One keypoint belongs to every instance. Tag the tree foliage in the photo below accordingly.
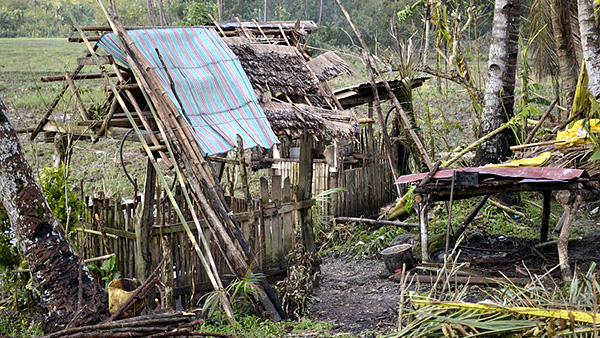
(376, 18)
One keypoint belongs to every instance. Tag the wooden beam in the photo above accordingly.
(305, 174)
(80, 39)
(76, 76)
(143, 228)
(111, 111)
(78, 101)
(90, 61)
(545, 216)
(376, 222)
(470, 217)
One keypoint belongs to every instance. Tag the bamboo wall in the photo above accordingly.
(368, 187)
(275, 216)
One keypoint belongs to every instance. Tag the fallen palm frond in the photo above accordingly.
(539, 309)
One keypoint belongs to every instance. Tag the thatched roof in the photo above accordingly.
(329, 65)
(279, 68)
(362, 93)
(297, 119)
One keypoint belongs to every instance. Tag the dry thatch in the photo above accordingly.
(277, 68)
(297, 119)
(329, 65)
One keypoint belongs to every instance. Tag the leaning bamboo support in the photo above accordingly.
(542, 119)
(210, 271)
(52, 106)
(78, 101)
(477, 143)
(199, 176)
(209, 268)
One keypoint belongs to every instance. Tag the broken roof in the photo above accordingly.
(205, 81)
(277, 69)
(362, 93)
(295, 119)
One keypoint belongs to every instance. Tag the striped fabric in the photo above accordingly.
(217, 97)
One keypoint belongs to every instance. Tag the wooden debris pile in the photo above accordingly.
(564, 157)
(170, 324)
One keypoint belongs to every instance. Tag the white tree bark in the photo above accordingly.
(499, 90)
(54, 264)
(590, 44)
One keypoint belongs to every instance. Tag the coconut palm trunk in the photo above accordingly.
(54, 265)
(499, 90)
(590, 44)
(560, 13)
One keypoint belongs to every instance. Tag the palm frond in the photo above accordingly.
(543, 49)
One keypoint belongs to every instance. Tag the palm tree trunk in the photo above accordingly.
(53, 263)
(565, 47)
(590, 45)
(500, 86)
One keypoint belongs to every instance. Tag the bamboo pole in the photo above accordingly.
(477, 143)
(542, 119)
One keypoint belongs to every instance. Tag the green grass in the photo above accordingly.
(250, 326)
(23, 62)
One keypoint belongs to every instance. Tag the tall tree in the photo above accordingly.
(500, 86)
(54, 265)
(565, 46)
(590, 44)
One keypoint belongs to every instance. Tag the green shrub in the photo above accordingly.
(62, 199)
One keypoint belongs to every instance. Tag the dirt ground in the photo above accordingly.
(353, 297)
(357, 301)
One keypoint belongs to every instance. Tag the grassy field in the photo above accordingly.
(22, 63)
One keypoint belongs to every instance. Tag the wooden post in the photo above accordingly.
(570, 202)
(470, 218)
(371, 135)
(423, 211)
(304, 191)
(78, 100)
(143, 228)
(247, 195)
(545, 216)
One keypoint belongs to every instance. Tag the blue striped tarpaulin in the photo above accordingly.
(217, 97)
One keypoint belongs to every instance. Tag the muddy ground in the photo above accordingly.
(353, 297)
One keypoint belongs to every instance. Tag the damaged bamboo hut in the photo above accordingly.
(206, 233)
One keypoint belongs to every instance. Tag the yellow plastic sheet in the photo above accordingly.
(577, 134)
(537, 161)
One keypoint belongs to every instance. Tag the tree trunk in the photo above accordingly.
(161, 13)
(499, 90)
(565, 47)
(590, 45)
(150, 12)
(54, 264)
(265, 12)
